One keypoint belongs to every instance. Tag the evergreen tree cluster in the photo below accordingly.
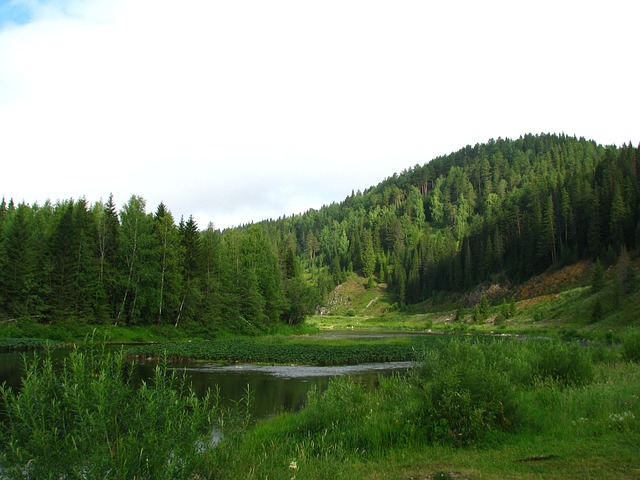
(504, 209)
(90, 263)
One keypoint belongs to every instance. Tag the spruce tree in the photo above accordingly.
(597, 276)
(168, 260)
(17, 269)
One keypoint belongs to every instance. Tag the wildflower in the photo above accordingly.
(293, 465)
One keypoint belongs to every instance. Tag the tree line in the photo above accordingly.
(91, 263)
(500, 211)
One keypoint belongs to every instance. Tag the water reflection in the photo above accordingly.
(273, 388)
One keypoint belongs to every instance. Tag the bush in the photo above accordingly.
(597, 311)
(566, 364)
(470, 386)
(465, 393)
(87, 420)
(631, 346)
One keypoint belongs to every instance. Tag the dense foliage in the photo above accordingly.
(503, 397)
(504, 210)
(88, 420)
(89, 263)
(507, 209)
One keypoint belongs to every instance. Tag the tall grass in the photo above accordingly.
(631, 345)
(87, 420)
(467, 392)
(502, 398)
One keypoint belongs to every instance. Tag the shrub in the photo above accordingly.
(470, 386)
(631, 346)
(565, 363)
(87, 420)
(597, 311)
(597, 276)
(465, 393)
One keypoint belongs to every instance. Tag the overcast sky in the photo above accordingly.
(236, 111)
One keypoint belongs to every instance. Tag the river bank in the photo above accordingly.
(473, 408)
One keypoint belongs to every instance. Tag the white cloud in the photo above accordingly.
(237, 111)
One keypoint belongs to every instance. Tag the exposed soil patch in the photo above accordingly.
(438, 476)
(543, 458)
(543, 286)
(529, 302)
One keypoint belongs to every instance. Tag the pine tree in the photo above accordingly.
(191, 261)
(467, 267)
(597, 277)
(618, 218)
(63, 246)
(368, 256)
(17, 269)
(594, 233)
(86, 274)
(169, 278)
(547, 239)
(567, 217)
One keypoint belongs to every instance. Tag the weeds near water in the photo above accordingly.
(87, 420)
(484, 393)
(465, 393)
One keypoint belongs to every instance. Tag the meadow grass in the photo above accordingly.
(473, 410)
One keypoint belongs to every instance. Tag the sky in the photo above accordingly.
(244, 110)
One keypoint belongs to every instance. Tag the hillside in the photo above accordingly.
(560, 300)
(498, 213)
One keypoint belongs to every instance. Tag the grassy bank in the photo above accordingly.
(474, 408)
(511, 410)
(75, 332)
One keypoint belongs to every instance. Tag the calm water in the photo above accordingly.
(273, 388)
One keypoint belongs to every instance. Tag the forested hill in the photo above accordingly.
(507, 208)
(504, 210)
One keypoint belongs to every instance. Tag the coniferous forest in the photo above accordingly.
(501, 211)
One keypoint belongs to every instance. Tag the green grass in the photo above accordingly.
(568, 313)
(524, 417)
(477, 407)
